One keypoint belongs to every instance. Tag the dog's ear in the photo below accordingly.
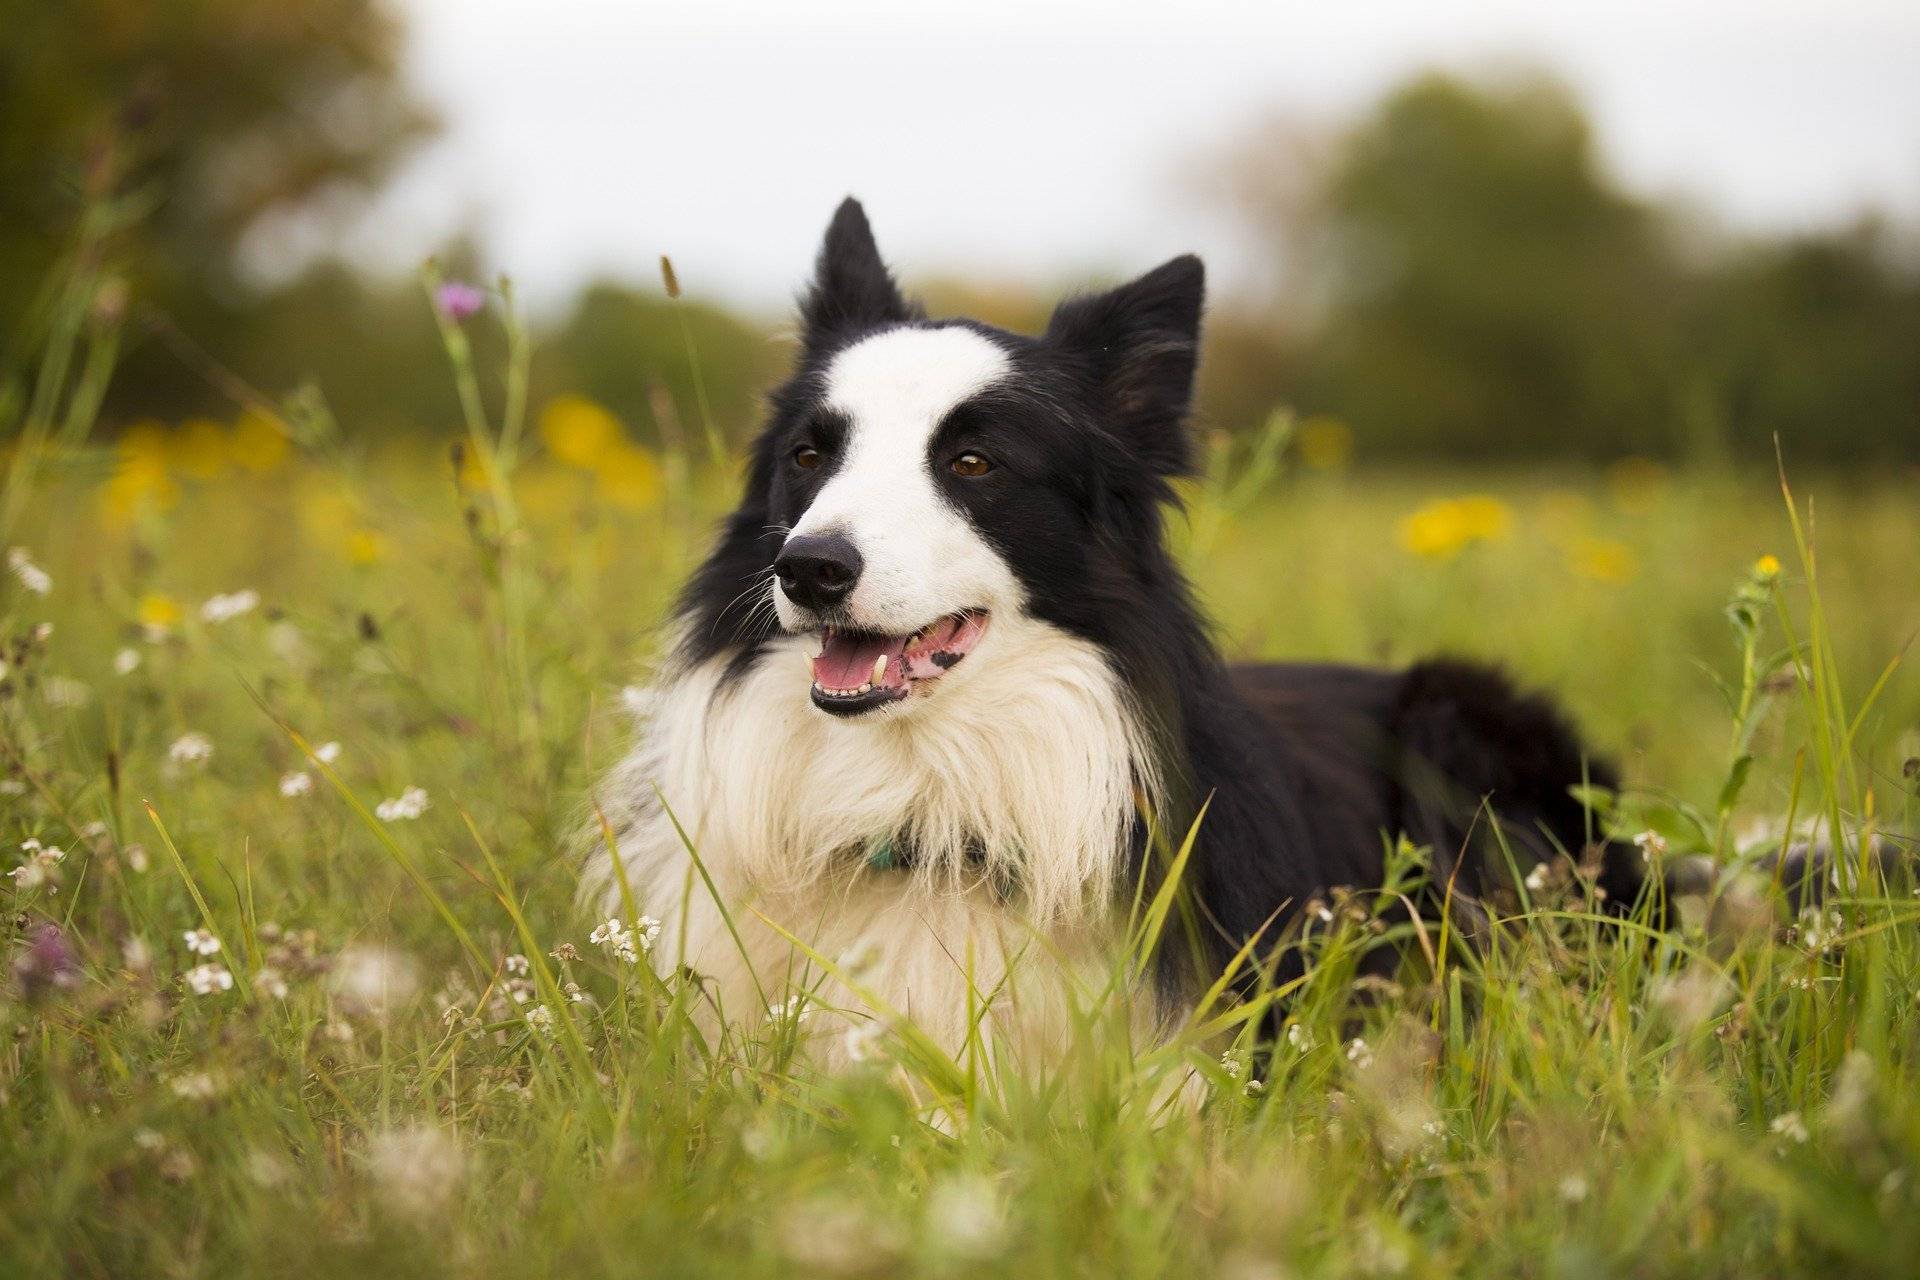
(852, 288)
(1139, 344)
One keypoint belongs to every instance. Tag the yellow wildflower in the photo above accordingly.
(364, 546)
(158, 612)
(327, 512)
(1766, 568)
(198, 450)
(629, 477)
(1442, 529)
(141, 483)
(1602, 559)
(579, 432)
(258, 442)
(476, 472)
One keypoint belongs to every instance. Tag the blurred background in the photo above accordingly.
(1582, 232)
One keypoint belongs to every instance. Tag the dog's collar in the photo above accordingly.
(887, 853)
(897, 853)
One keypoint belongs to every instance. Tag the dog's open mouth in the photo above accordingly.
(857, 671)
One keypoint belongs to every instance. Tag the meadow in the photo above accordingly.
(300, 734)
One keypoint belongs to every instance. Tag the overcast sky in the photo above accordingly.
(1049, 140)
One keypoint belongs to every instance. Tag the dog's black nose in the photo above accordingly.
(817, 570)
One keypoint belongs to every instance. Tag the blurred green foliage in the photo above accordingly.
(1466, 279)
(1460, 275)
(220, 118)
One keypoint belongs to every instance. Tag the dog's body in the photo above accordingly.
(958, 532)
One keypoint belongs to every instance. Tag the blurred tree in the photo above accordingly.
(1816, 341)
(1456, 274)
(227, 116)
(1487, 289)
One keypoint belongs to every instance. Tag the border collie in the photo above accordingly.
(940, 680)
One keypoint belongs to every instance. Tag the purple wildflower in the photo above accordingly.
(457, 300)
(46, 962)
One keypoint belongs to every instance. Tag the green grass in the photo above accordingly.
(1586, 1097)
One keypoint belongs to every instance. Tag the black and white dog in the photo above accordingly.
(957, 533)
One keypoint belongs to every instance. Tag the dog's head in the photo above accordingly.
(922, 482)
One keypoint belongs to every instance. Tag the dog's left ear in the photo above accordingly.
(852, 288)
(1139, 344)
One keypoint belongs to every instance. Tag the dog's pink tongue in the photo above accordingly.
(847, 660)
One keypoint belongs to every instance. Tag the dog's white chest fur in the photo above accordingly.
(1011, 796)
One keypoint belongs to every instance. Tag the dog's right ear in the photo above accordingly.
(852, 288)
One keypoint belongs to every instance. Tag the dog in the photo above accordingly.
(940, 691)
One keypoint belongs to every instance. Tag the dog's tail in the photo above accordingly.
(1488, 773)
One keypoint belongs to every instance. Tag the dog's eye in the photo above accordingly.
(970, 465)
(806, 457)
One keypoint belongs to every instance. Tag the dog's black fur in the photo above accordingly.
(1307, 771)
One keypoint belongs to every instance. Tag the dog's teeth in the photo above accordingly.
(879, 669)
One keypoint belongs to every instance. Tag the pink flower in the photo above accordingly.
(47, 961)
(457, 300)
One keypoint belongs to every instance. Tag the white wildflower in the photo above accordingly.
(1821, 930)
(126, 662)
(137, 857)
(1653, 846)
(287, 644)
(617, 939)
(327, 752)
(1690, 998)
(862, 1040)
(297, 783)
(40, 866)
(540, 1018)
(65, 692)
(1537, 878)
(31, 575)
(1790, 1126)
(409, 804)
(1359, 1054)
(136, 954)
(269, 982)
(374, 980)
(1573, 1188)
(268, 1171)
(198, 1086)
(417, 1169)
(191, 748)
(518, 965)
(793, 1008)
(1299, 1038)
(225, 608)
(206, 979)
(828, 1234)
(201, 942)
(965, 1216)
